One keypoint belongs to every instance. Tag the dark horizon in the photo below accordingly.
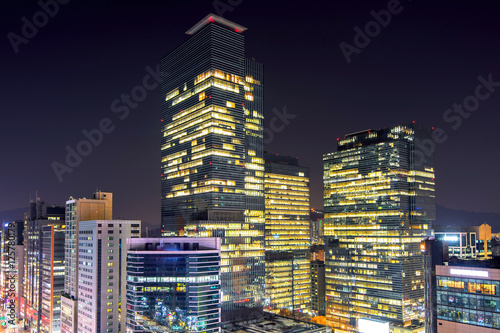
(74, 73)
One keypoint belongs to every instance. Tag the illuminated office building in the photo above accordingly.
(287, 236)
(379, 204)
(471, 242)
(52, 277)
(173, 285)
(99, 207)
(102, 273)
(212, 155)
(39, 216)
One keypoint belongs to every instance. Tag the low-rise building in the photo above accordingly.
(471, 242)
(173, 285)
(468, 297)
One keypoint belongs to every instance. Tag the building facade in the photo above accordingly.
(287, 236)
(52, 277)
(99, 207)
(468, 299)
(39, 216)
(435, 253)
(318, 287)
(317, 226)
(173, 284)
(318, 252)
(212, 155)
(102, 273)
(379, 204)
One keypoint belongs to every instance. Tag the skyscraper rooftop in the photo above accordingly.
(212, 18)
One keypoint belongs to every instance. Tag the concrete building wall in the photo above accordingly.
(102, 274)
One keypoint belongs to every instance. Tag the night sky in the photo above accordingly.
(64, 78)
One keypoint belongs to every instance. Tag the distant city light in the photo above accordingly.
(451, 238)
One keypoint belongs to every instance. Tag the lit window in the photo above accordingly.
(172, 94)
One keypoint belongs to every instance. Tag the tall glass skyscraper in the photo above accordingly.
(212, 155)
(379, 204)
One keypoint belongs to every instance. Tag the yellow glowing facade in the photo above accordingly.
(287, 236)
(379, 204)
(212, 165)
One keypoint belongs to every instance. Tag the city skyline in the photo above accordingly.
(82, 69)
(238, 245)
